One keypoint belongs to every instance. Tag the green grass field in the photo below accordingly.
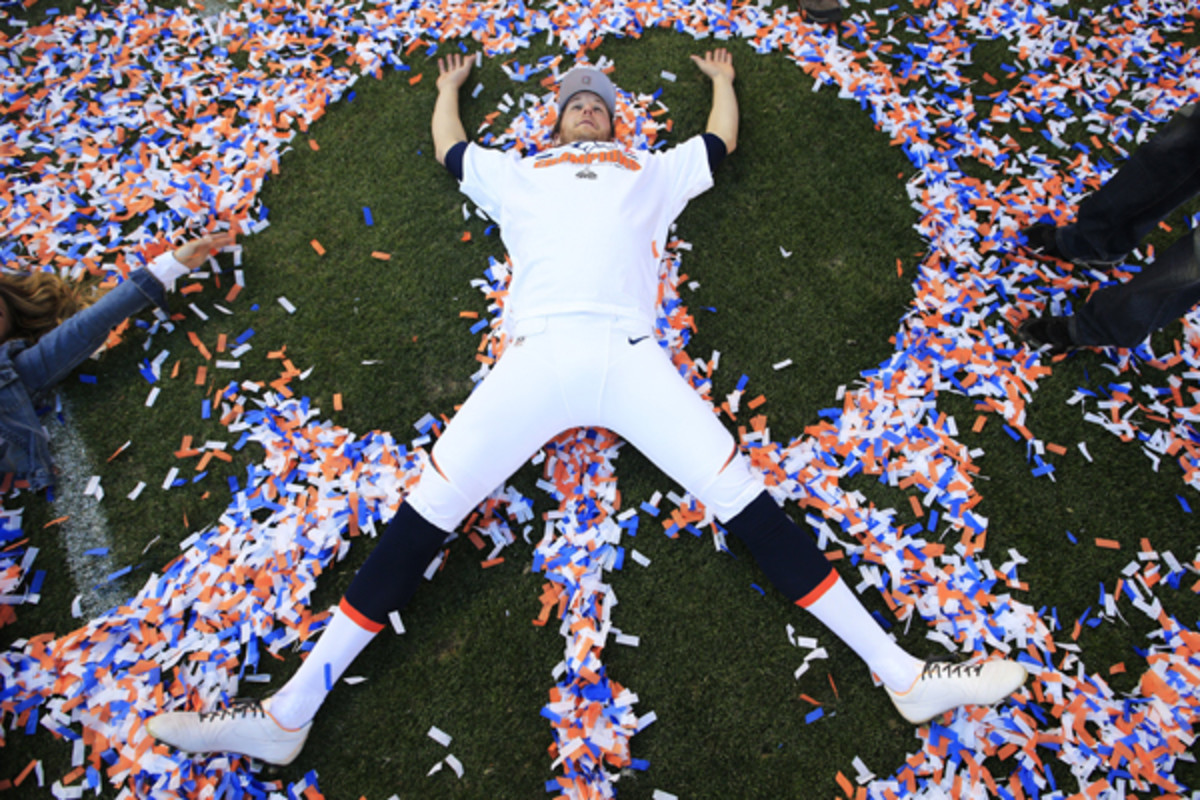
(812, 175)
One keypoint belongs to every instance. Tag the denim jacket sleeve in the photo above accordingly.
(29, 370)
(45, 363)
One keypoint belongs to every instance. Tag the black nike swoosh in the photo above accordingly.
(638, 339)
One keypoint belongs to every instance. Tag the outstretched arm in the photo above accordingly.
(54, 355)
(447, 126)
(723, 118)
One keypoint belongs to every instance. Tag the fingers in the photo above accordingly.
(719, 56)
(715, 62)
(453, 63)
(192, 253)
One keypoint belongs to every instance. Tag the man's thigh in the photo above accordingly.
(655, 409)
(511, 414)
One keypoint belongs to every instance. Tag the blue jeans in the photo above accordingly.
(1159, 176)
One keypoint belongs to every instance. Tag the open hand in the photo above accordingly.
(453, 70)
(193, 253)
(716, 64)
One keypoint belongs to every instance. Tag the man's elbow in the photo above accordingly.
(728, 138)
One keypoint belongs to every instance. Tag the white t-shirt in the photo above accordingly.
(586, 223)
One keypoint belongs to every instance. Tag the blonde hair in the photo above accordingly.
(39, 301)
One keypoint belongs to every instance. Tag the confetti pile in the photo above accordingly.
(126, 126)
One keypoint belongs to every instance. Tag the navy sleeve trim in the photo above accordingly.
(454, 160)
(715, 146)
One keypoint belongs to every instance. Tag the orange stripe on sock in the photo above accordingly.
(358, 618)
(821, 588)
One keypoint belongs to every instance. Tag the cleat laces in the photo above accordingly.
(238, 708)
(935, 669)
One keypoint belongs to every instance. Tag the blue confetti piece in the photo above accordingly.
(123, 571)
(813, 716)
(96, 551)
(91, 379)
(367, 216)
(1183, 503)
(758, 589)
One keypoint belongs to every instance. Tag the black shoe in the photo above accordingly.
(1041, 240)
(1049, 332)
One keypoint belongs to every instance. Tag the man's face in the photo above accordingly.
(585, 119)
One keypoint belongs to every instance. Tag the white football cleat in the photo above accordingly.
(244, 727)
(941, 687)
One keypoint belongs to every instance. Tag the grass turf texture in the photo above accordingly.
(811, 175)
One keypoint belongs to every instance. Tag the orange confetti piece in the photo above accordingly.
(57, 521)
(317, 246)
(313, 144)
(415, 79)
(337, 402)
(25, 772)
(1108, 544)
(381, 256)
(915, 502)
(491, 562)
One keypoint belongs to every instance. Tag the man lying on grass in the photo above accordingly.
(582, 222)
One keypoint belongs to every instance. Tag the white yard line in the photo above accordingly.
(86, 527)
